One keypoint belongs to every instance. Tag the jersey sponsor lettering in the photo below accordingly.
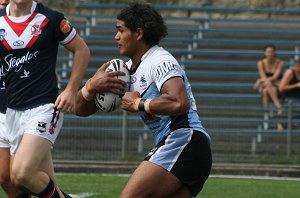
(1, 74)
(13, 62)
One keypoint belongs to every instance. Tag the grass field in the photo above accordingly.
(100, 186)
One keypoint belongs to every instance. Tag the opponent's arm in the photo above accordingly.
(65, 101)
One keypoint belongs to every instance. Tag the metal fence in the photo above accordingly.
(121, 136)
(219, 59)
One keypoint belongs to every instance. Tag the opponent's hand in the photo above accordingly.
(65, 102)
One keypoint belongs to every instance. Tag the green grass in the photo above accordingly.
(99, 186)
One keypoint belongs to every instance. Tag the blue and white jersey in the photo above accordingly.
(28, 49)
(156, 67)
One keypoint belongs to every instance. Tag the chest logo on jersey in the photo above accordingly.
(143, 82)
(18, 43)
(133, 79)
(36, 30)
(2, 34)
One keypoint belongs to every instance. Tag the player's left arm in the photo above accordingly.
(66, 100)
(172, 101)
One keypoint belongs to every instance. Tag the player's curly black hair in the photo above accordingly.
(143, 15)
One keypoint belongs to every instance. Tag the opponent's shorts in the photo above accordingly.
(44, 121)
(185, 153)
(4, 143)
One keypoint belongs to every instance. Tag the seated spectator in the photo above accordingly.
(270, 70)
(290, 87)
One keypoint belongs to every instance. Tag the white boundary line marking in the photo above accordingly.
(255, 177)
(90, 194)
(211, 176)
(85, 194)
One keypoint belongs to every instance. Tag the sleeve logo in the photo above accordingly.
(65, 26)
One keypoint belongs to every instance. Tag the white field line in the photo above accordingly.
(255, 177)
(85, 195)
(212, 176)
(90, 194)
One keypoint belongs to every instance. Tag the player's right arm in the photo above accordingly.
(84, 107)
(101, 82)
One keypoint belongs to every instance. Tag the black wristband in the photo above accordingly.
(142, 105)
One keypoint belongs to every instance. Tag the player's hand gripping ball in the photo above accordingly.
(107, 101)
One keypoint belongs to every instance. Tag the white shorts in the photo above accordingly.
(44, 121)
(4, 143)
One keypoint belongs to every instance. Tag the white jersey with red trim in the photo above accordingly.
(28, 48)
(156, 67)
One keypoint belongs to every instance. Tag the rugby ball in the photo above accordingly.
(107, 101)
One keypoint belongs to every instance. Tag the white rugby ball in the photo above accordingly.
(107, 101)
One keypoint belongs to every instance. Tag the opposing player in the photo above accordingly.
(30, 35)
(5, 182)
(180, 163)
(4, 143)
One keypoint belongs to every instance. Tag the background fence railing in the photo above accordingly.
(219, 55)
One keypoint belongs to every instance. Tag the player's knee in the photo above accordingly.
(19, 180)
(20, 177)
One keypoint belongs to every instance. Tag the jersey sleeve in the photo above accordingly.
(64, 31)
(166, 70)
